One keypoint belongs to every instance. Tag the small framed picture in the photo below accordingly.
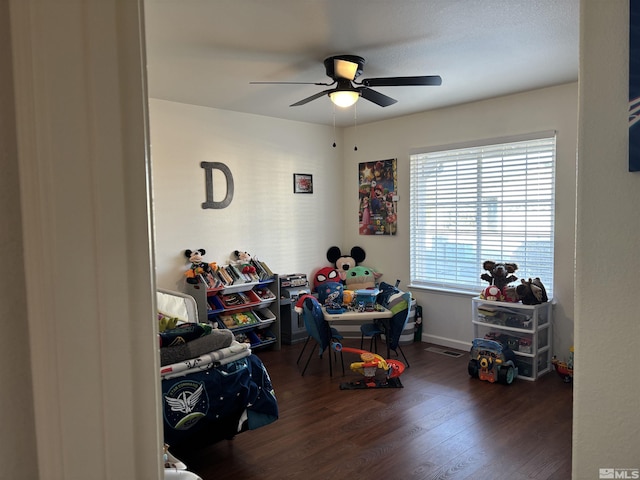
(302, 183)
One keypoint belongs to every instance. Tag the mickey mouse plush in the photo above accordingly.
(344, 262)
(198, 265)
(244, 261)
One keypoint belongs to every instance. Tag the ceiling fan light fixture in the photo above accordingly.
(344, 98)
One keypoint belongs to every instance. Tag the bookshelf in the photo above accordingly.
(242, 298)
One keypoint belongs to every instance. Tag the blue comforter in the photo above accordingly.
(207, 406)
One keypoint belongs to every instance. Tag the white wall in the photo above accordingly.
(447, 316)
(290, 232)
(606, 422)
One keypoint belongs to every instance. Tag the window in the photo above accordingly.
(471, 203)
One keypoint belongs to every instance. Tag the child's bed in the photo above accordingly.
(212, 386)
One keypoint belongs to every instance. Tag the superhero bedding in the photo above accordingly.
(213, 387)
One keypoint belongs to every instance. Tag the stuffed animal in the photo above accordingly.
(532, 292)
(499, 273)
(198, 265)
(324, 275)
(492, 293)
(360, 277)
(510, 294)
(243, 260)
(344, 262)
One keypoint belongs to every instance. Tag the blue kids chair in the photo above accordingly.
(320, 330)
(392, 328)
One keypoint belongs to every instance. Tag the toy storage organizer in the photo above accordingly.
(526, 329)
(249, 310)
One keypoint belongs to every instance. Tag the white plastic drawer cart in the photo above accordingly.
(526, 329)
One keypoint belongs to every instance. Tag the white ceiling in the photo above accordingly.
(205, 52)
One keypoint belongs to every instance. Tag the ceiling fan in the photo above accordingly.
(343, 70)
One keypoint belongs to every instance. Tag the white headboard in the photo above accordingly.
(177, 304)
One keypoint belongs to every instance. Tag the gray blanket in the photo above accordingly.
(217, 339)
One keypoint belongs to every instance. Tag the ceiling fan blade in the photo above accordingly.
(376, 97)
(291, 83)
(312, 97)
(402, 81)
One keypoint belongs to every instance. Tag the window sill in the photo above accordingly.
(444, 290)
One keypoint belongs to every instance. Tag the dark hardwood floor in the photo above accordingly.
(441, 425)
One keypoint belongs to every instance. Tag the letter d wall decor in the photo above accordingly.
(209, 167)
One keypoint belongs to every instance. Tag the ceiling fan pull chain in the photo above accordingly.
(355, 126)
(334, 126)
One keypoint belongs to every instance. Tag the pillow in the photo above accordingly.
(172, 306)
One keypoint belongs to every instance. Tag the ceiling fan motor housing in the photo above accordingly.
(331, 62)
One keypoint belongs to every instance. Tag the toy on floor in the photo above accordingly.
(564, 369)
(369, 366)
(491, 361)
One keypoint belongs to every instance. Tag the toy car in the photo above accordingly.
(492, 361)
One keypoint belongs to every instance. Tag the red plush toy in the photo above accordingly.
(324, 275)
(492, 293)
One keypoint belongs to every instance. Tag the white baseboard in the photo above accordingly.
(446, 342)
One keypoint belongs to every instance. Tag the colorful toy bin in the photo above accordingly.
(366, 298)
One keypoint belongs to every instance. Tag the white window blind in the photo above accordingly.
(487, 202)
